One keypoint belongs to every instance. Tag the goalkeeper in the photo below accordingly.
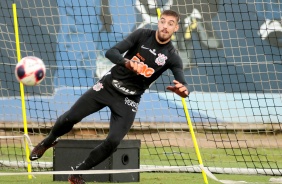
(148, 53)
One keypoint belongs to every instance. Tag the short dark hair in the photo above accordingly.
(171, 13)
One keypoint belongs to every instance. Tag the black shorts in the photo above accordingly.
(123, 107)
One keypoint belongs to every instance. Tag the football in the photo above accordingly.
(30, 70)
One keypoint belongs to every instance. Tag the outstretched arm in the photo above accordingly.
(179, 89)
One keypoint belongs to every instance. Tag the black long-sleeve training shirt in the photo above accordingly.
(141, 45)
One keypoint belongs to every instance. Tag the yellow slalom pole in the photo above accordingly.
(21, 89)
(194, 139)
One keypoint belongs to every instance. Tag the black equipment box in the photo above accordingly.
(69, 152)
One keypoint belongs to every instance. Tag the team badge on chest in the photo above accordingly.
(160, 60)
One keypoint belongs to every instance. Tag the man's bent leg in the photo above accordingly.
(122, 117)
(83, 107)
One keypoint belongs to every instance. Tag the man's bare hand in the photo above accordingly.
(179, 89)
(134, 66)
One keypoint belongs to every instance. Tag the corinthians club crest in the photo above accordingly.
(160, 60)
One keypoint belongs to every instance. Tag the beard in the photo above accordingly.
(163, 37)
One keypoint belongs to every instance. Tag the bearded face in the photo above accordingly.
(167, 25)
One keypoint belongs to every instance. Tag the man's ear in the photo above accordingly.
(176, 28)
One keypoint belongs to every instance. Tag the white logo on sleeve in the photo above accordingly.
(98, 86)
